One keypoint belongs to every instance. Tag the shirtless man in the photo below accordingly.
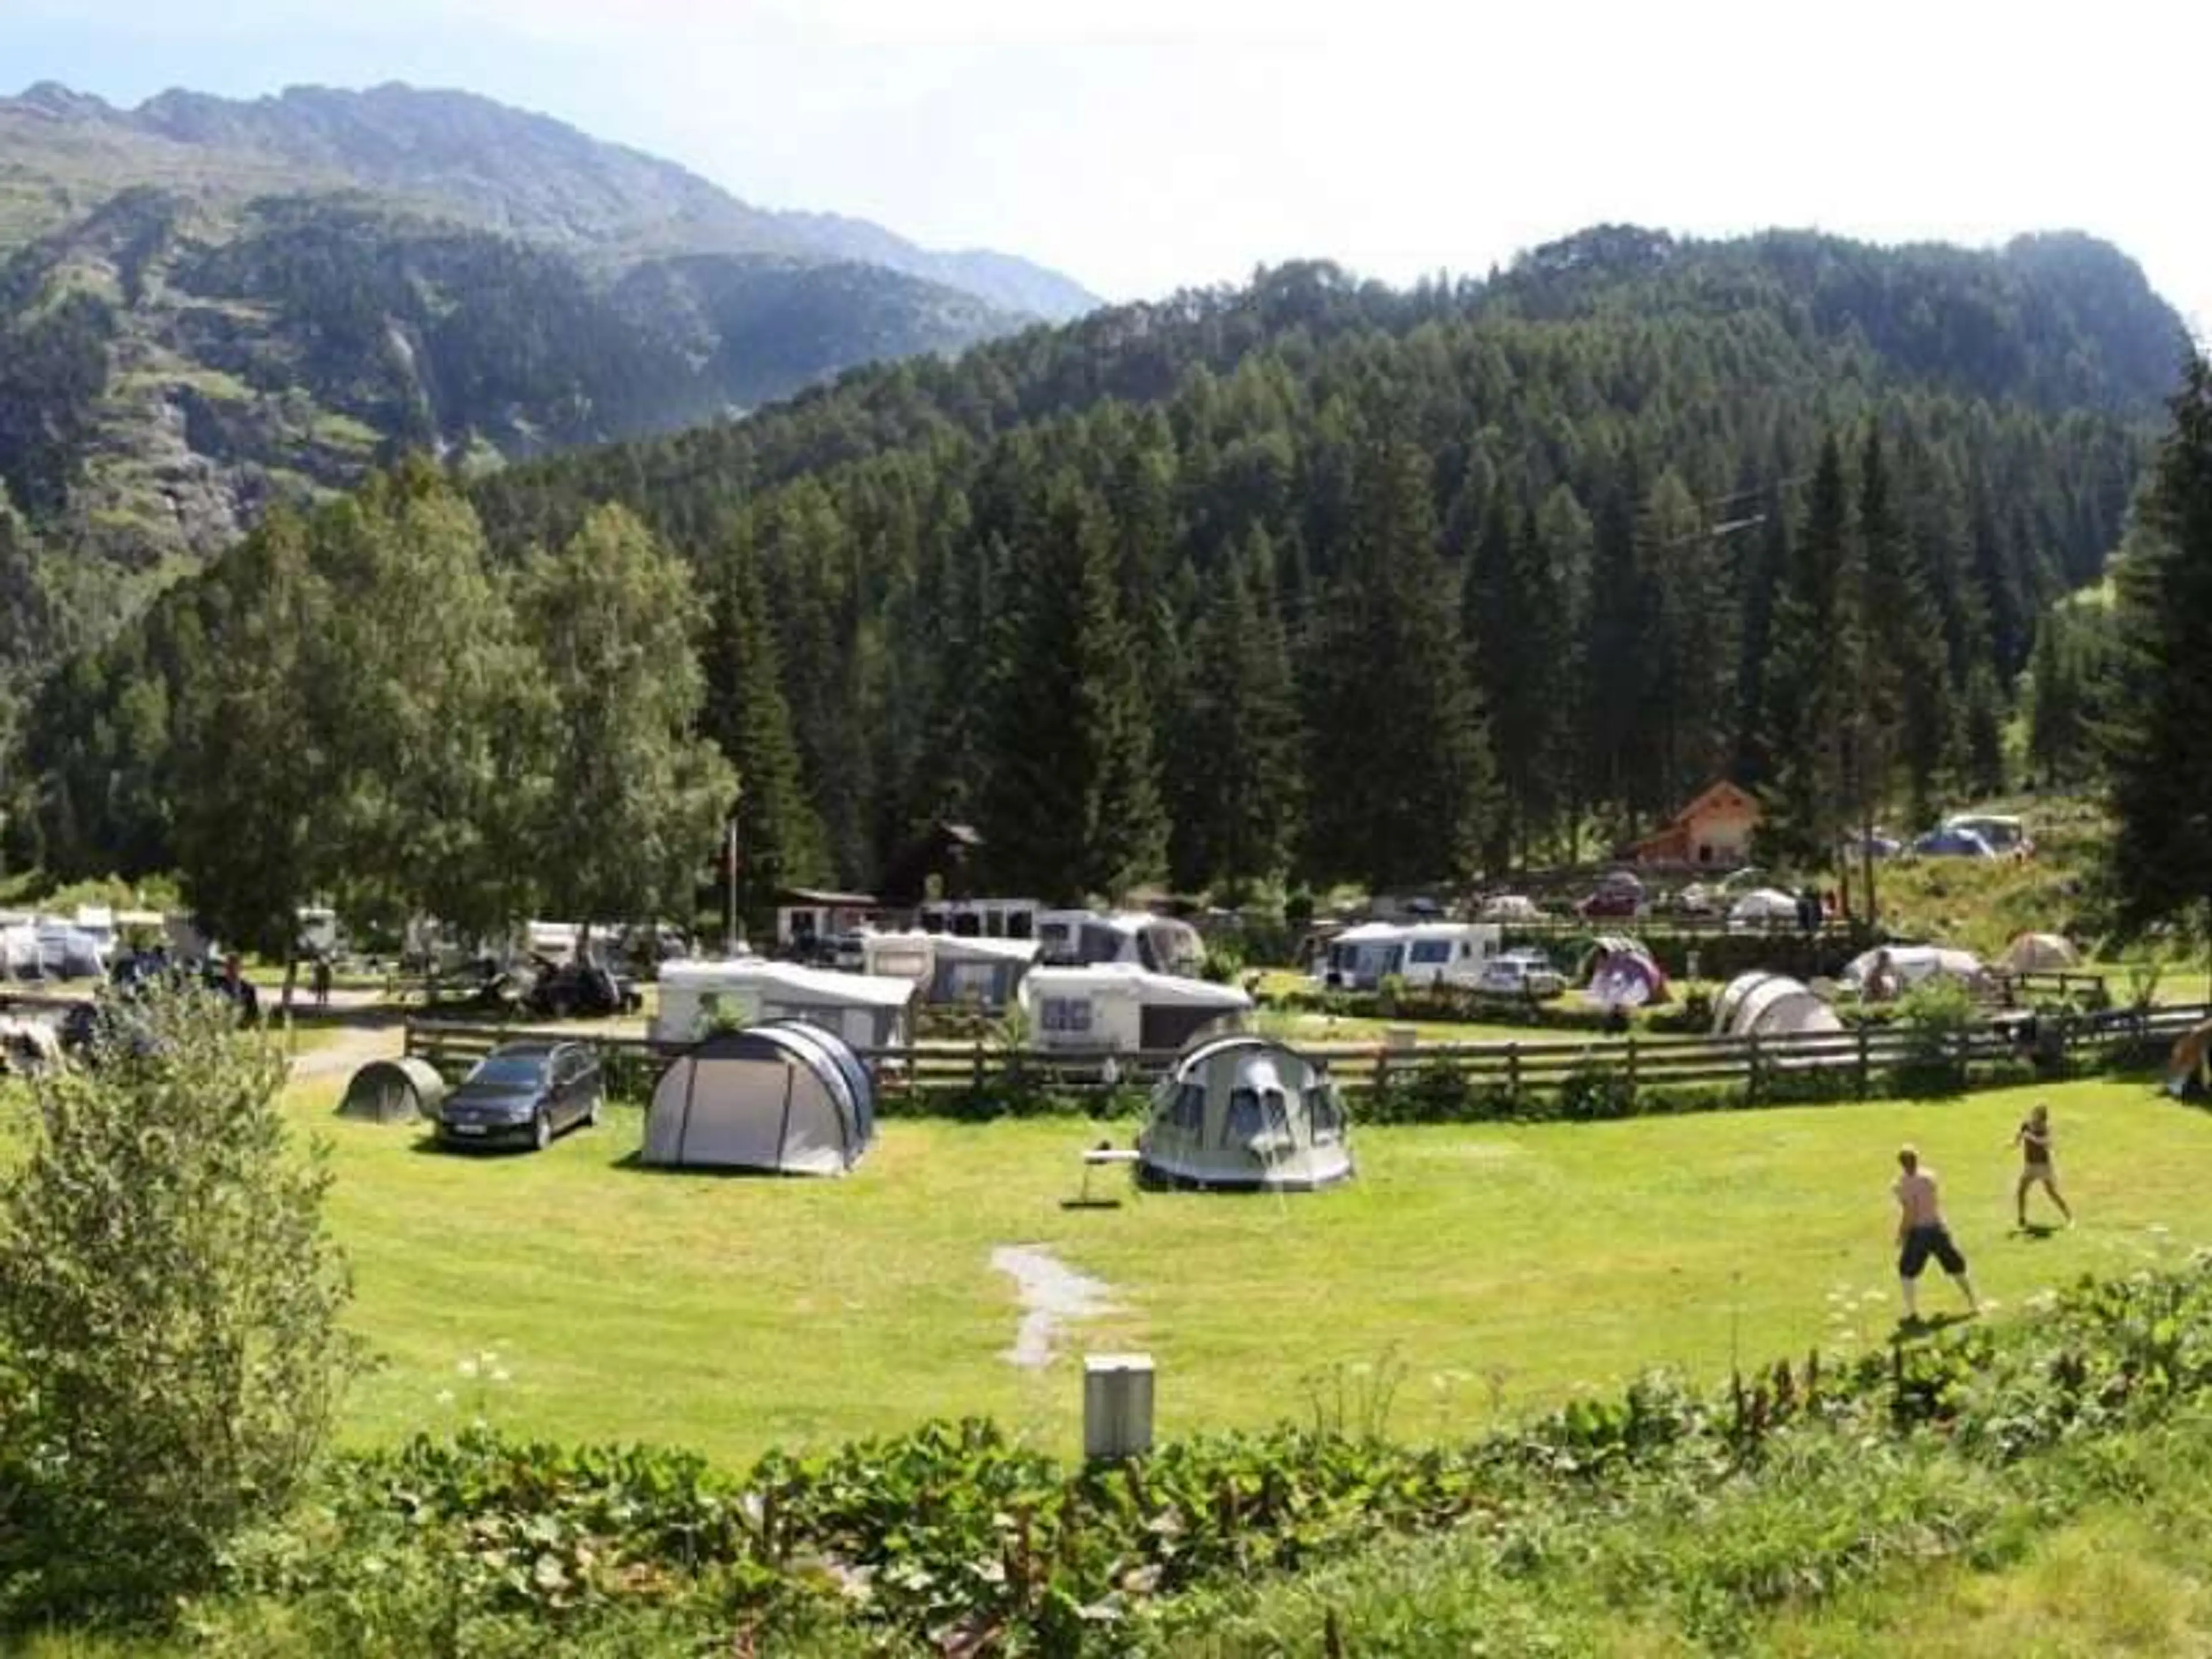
(1921, 1233)
(2034, 1139)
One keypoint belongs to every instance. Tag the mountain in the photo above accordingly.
(206, 305)
(1317, 581)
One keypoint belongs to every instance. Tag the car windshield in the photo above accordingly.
(511, 1071)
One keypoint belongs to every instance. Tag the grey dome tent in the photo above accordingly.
(394, 1091)
(783, 1098)
(1242, 1113)
(1771, 1005)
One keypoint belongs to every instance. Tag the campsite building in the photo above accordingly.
(1122, 1008)
(1244, 1113)
(784, 1099)
(696, 997)
(1716, 829)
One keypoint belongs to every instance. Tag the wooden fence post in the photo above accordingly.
(1751, 1079)
(1864, 1081)
(1513, 1074)
(979, 1065)
(1632, 1063)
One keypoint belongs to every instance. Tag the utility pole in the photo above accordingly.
(729, 888)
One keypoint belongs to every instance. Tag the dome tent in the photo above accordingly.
(1764, 907)
(784, 1098)
(394, 1091)
(1771, 1005)
(2040, 953)
(1902, 966)
(1620, 973)
(1242, 1113)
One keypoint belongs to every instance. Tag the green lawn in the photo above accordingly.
(1497, 1266)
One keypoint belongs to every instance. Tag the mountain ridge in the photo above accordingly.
(525, 173)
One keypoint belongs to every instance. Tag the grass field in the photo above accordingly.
(1492, 1268)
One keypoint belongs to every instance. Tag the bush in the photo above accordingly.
(170, 1358)
(1939, 1018)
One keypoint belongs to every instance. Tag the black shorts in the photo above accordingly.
(1921, 1243)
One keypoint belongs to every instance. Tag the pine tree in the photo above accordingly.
(1237, 799)
(1401, 779)
(1070, 802)
(1515, 627)
(1903, 694)
(2162, 858)
(779, 841)
(1811, 672)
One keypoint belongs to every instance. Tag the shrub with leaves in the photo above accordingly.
(171, 1354)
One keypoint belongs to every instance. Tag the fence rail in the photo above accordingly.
(1863, 1055)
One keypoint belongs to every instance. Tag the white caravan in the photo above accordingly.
(1120, 1008)
(1422, 953)
(698, 997)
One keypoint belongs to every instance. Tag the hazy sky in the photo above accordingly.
(1141, 144)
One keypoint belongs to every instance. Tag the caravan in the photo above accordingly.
(1160, 945)
(1119, 1007)
(953, 970)
(699, 997)
(1425, 953)
(983, 918)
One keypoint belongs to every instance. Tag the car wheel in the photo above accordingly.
(591, 1111)
(541, 1129)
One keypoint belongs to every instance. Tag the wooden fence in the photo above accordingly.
(1863, 1057)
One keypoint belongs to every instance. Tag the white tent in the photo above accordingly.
(1892, 969)
(2040, 953)
(696, 997)
(1117, 1006)
(783, 1098)
(1771, 1005)
(1242, 1113)
(1763, 907)
(1510, 907)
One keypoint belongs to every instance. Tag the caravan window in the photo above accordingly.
(1245, 1119)
(978, 981)
(967, 925)
(1067, 1014)
(1019, 924)
(1428, 952)
(1099, 944)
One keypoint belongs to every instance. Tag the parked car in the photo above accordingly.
(524, 1093)
(1522, 974)
(1954, 843)
(1616, 894)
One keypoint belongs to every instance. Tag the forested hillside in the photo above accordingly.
(1318, 579)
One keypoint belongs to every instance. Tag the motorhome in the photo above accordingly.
(696, 997)
(1423, 953)
(1161, 944)
(1119, 1007)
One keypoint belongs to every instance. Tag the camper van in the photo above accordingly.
(983, 918)
(696, 997)
(1161, 944)
(1424, 953)
(1119, 1007)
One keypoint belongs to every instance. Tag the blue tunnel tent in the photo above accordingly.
(783, 1098)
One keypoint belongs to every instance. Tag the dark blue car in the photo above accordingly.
(523, 1094)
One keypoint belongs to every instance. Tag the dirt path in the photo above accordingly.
(1053, 1295)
